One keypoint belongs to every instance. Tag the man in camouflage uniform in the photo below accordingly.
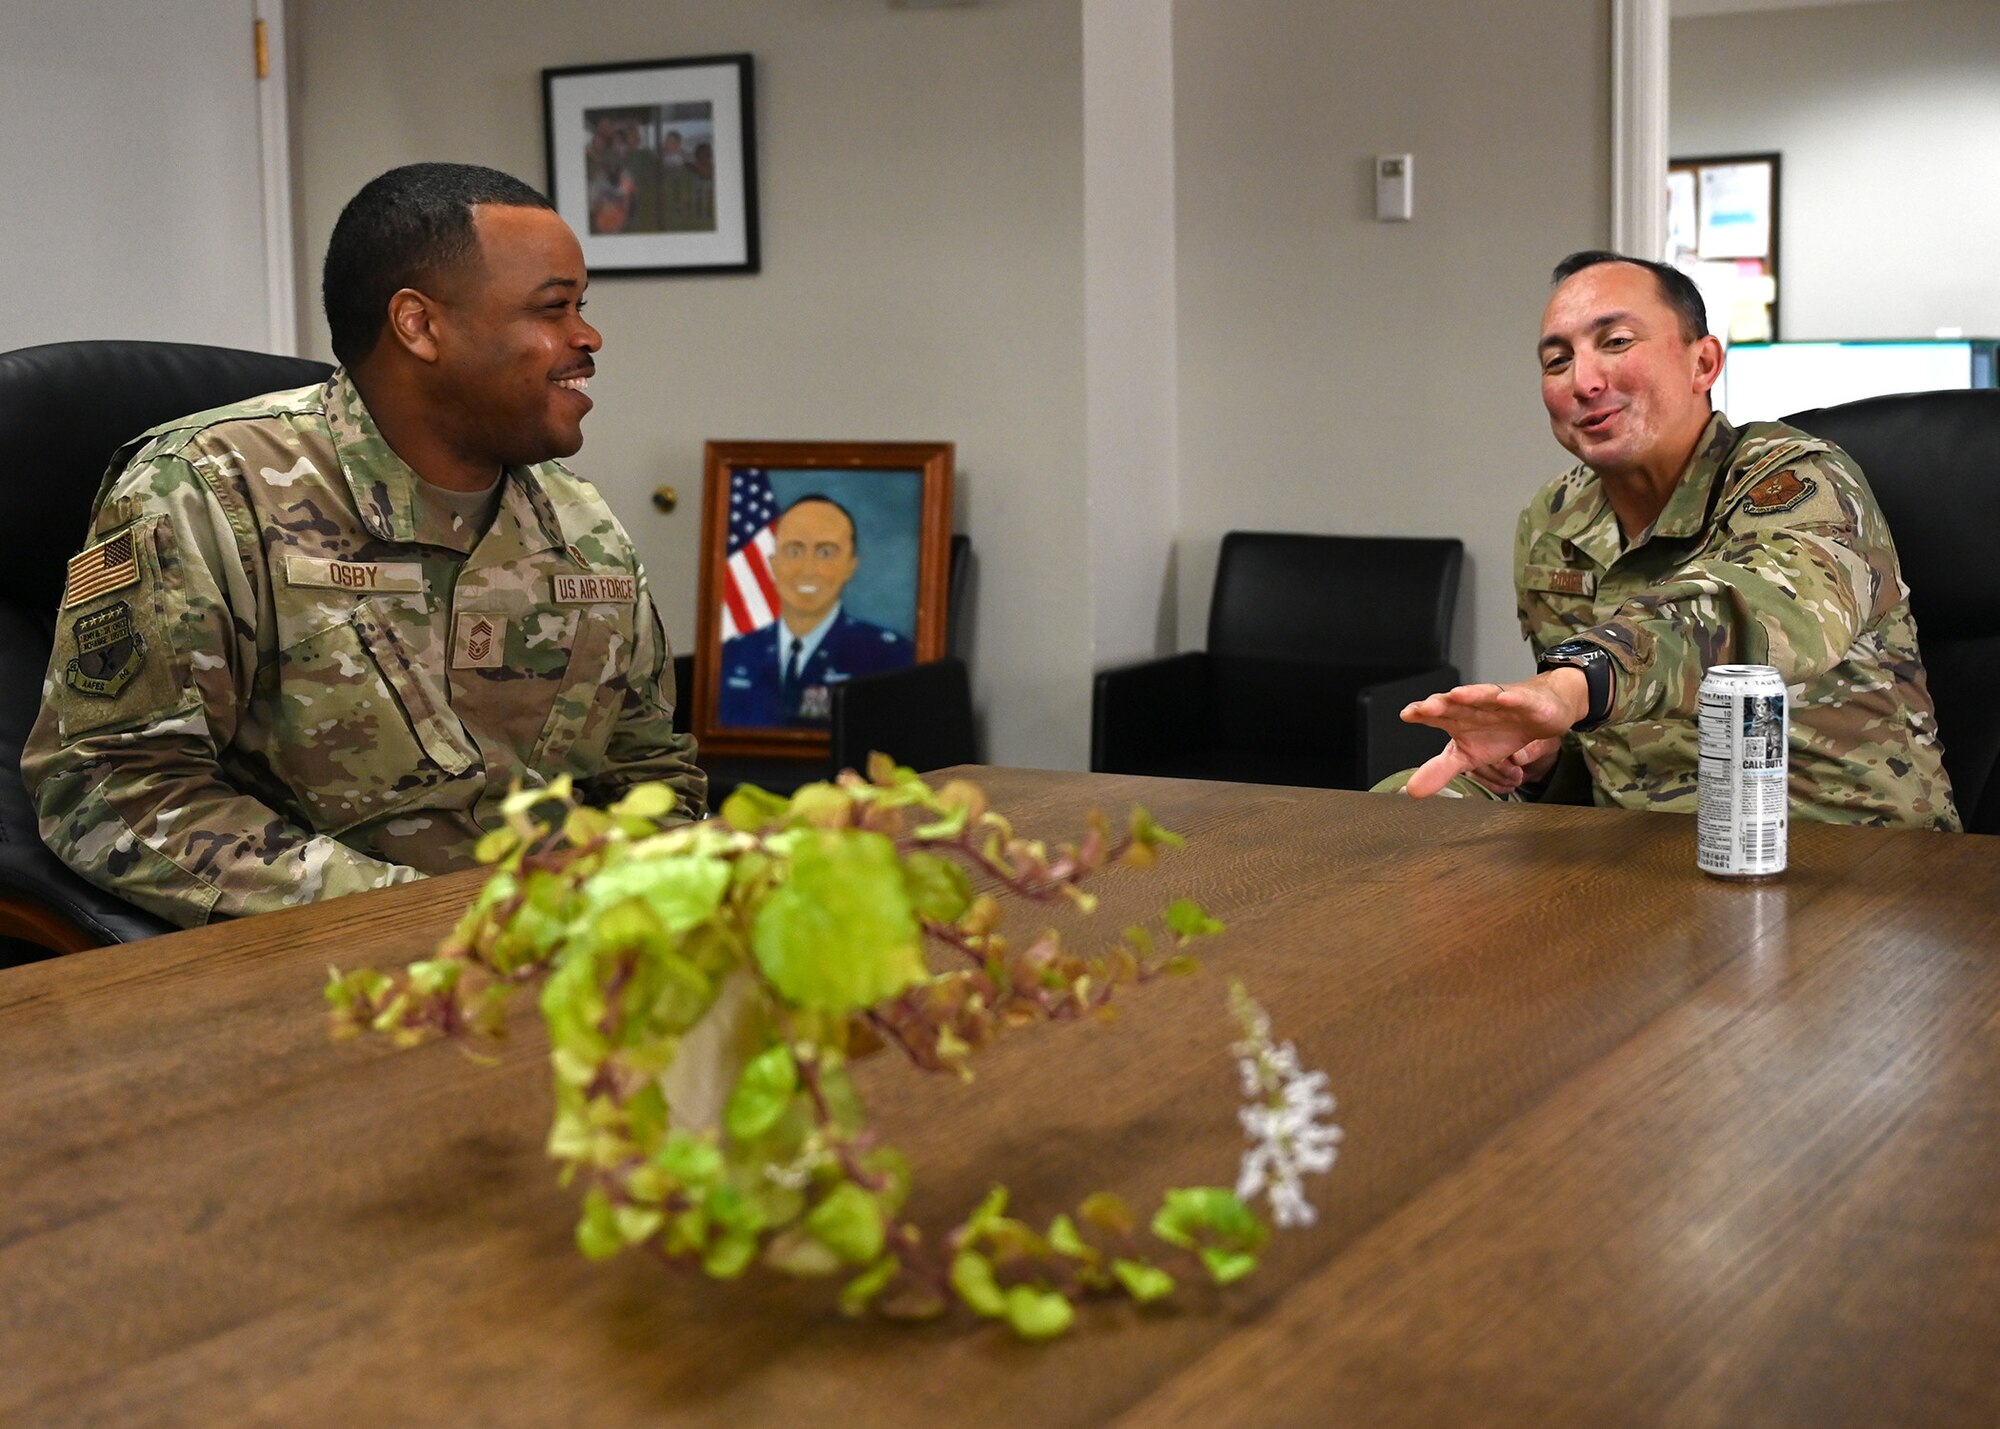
(1679, 543)
(315, 638)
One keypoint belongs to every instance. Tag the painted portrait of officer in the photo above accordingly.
(781, 673)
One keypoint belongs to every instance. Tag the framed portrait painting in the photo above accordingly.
(654, 164)
(820, 562)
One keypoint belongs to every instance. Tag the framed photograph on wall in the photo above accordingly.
(820, 561)
(654, 164)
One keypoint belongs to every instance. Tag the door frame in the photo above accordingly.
(274, 147)
(1639, 43)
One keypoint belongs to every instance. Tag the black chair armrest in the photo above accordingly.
(43, 901)
(1387, 744)
(1569, 782)
(1146, 710)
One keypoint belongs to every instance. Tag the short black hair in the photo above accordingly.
(1677, 290)
(402, 230)
(853, 526)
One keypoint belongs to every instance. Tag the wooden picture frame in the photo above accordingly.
(820, 561)
(653, 164)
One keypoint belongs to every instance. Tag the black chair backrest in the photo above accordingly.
(1364, 600)
(920, 716)
(1933, 461)
(65, 408)
(958, 580)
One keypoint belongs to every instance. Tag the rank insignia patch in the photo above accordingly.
(481, 642)
(1780, 491)
(107, 566)
(109, 652)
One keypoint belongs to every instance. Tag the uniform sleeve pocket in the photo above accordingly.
(115, 666)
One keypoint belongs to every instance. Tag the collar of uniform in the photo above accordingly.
(531, 518)
(1686, 511)
(1585, 518)
(383, 485)
(387, 490)
(1580, 514)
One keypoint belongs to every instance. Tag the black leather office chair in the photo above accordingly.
(1315, 643)
(64, 410)
(1933, 460)
(877, 715)
(921, 717)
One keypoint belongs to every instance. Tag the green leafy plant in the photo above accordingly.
(706, 988)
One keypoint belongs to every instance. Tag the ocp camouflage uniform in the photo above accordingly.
(283, 671)
(1771, 551)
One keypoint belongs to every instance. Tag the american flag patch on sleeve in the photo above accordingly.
(107, 566)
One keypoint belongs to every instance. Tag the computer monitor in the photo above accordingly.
(1763, 381)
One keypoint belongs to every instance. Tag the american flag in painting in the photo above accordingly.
(749, 595)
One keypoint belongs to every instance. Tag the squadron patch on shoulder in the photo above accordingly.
(109, 652)
(1780, 491)
(107, 566)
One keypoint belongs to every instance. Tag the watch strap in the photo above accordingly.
(1595, 662)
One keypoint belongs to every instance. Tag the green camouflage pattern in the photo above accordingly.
(314, 711)
(1771, 551)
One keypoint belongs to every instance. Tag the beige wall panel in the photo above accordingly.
(1343, 375)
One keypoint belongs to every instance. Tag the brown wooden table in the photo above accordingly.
(1624, 1145)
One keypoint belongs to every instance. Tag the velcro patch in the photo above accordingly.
(594, 590)
(318, 573)
(109, 652)
(1560, 579)
(479, 641)
(107, 566)
(1780, 491)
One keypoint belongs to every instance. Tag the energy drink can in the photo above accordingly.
(1740, 812)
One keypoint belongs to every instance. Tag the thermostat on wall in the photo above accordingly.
(1392, 187)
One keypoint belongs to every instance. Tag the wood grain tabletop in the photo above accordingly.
(1624, 1145)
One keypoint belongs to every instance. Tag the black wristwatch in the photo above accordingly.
(1595, 662)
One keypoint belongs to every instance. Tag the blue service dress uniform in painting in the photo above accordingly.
(756, 694)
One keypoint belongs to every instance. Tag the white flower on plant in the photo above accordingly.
(1283, 1118)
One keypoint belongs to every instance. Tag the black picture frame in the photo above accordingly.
(653, 163)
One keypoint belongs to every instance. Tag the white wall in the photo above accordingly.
(921, 176)
(1343, 375)
(133, 204)
(1130, 338)
(1888, 118)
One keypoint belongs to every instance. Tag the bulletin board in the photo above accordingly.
(1723, 231)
